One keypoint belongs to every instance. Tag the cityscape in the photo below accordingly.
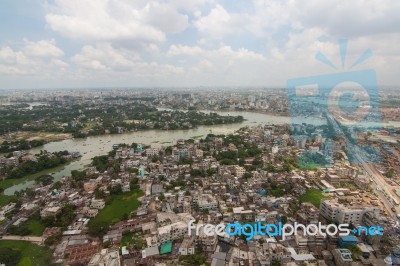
(199, 133)
(183, 156)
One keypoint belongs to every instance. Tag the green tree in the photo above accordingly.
(44, 180)
(53, 240)
(134, 184)
(9, 256)
(97, 228)
(247, 175)
(115, 189)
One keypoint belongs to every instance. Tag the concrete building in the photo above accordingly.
(239, 171)
(172, 232)
(342, 257)
(187, 247)
(97, 204)
(105, 257)
(340, 213)
(207, 202)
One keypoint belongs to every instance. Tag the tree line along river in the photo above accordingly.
(99, 145)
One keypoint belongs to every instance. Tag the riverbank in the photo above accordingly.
(7, 195)
(29, 136)
(92, 146)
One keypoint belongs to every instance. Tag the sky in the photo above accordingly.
(191, 43)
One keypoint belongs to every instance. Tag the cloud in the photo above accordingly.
(38, 58)
(220, 66)
(271, 18)
(349, 18)
(110, 20)
(119, 62)
(223, 51)
(43, 48)
(203, 42)
(217, 24)
(104, 56)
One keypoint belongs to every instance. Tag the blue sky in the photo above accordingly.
(113, 43)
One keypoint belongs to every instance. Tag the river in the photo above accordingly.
(100, 145)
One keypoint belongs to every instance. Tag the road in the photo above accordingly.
(33, 239)
(379, 184)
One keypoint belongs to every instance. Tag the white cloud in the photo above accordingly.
(34, 58)
(221, 66)
(43, 48)
(103, 58)
(223, 51)
(110, 20)
(197, 42)
(217, 23)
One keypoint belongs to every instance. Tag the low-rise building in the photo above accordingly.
(97, 204)
(342, 257)
(106, 257)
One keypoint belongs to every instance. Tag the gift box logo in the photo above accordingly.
(330, 113)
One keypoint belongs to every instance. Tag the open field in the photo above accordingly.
(119, 206)
(31, 254)
(313, 196)
(36, 227)
(5, 199)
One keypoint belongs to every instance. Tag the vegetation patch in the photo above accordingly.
(23, 253)
(312, 160)
(313, 196)
(195, 259)
(118, 208)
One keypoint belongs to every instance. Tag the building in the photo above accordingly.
(152, 152)
(207, 202)
(278, 252)
(50, 211)
(340, 213)
(80, 251)
(172, 232)
(239, 171)
(362, 182)
(105, 257)
(187, 247)
(344, 241)
(240, 214)
(157, 189)
(342, 257)
(6, 209)
(97, 204)
(90, 185)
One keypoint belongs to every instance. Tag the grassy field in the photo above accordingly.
(36, 227)
(31, 254)
(313, 196)
(4, 199)
(130, 239)
(120, 205)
